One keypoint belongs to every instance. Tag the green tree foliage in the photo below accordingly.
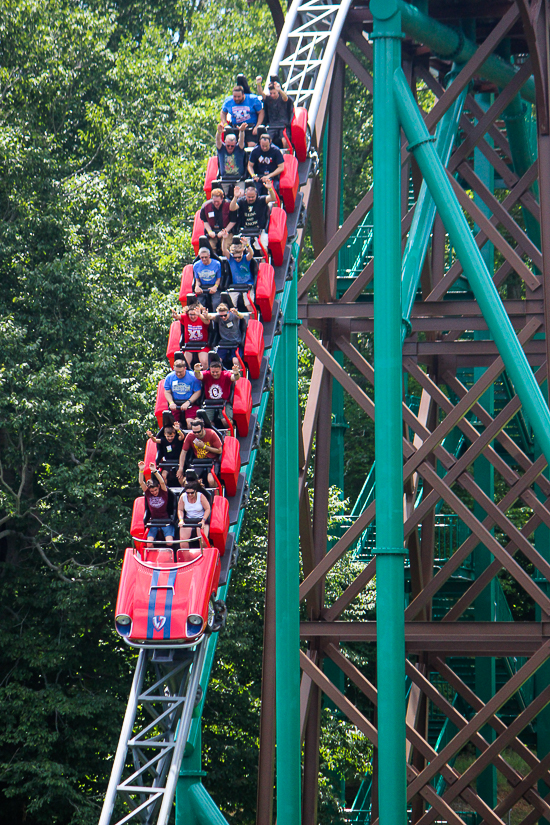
(107, 116)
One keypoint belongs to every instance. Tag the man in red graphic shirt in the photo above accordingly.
(205, 444)
(217, 384)
(194, 326)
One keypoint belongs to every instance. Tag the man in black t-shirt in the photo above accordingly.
(169, 441)
(252, 209)
(266, 164)
(279, 111)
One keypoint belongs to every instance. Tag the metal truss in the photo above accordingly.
(306, 49)
(153, 736)
(484, 675)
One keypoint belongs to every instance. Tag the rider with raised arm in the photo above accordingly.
(194, 321)
(231, 154)
(253, 209)
(279, 111)
(169, 442)
(266, 164)
(217, 384)
(156, 495)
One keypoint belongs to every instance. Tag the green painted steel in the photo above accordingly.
(452, 45)
(194, 806)
(473, 264)
(390, 578)
(523, 149)
(287, 570)
(424, 213)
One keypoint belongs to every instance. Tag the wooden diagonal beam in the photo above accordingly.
(482, 717)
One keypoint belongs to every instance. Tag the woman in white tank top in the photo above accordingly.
(192, 505)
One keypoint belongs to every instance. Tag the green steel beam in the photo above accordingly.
(287, 570)
(390, 573)
(451, 44)
(473, 264)
(424, 213)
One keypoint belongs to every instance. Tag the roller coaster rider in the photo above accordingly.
(279, 111)
(205, 444)
(217, 219)
(182, 390)
(243, 108)
(265, 165)
(156, 494)
(207, 274)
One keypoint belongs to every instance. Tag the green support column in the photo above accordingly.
(287, 570)
(390, 578)
(194, 805)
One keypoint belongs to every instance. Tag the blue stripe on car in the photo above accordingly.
(168, 603)
(152, 600)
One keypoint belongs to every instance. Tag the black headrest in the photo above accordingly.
(214, 357)
(226, 299)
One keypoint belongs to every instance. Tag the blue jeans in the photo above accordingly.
(167, 529)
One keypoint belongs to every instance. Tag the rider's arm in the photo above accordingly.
(206, 505)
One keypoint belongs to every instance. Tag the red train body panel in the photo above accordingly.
(219, 523)
(230, 464)
(242, 405)
(277, 234)
(161, 403)
(137, 527)
(211, 174)
(265, 290)
(198, 230)
(186, 283)
(157, 597)
(173, 342)
(299, 133)
(254, 347)
(150, 455)
(289, 183)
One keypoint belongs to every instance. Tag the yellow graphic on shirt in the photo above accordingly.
(201, 452)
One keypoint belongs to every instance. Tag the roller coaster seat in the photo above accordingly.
(277, 234)
(254, 347)
(289, 182)
(211, 175)
(299, 132)
(265, 290)
(242, 405)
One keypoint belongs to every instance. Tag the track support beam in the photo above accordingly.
(388, 424)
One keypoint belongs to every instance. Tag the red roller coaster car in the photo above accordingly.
(166, 602)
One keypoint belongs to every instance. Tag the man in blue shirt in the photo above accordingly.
(241, 108)
(182, 390)
(207, 274)
(231, 155)
(242, 266)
